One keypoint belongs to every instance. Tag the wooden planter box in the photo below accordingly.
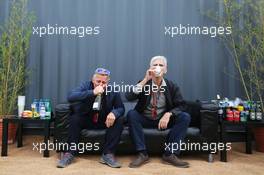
(259, 137)
(12, 128)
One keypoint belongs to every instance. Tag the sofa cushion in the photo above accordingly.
(155, 139)
(191, 131)
(193, 108)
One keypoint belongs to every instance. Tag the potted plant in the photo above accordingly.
(246, 47)
(14, 44)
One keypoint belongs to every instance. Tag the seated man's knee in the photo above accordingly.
(74, 120)
(185, 117)
(132, 116)
(119, 121)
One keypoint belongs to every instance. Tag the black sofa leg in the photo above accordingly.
(210, 158)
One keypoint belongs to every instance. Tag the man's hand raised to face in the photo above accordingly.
(98, 90)
(148, 76)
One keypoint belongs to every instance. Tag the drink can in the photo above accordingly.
(236, 116)
(243, 116)
(259, 115)
(229, 115)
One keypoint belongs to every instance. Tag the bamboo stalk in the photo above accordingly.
(14, 45)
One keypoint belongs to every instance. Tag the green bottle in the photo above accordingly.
(48, 108)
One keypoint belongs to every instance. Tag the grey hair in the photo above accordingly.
(164, 59)
(94, 75)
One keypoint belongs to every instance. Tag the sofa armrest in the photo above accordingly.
(193, 108)
(61, 122)
(209, 125)
(209, 121)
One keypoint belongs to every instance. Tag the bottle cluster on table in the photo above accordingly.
(41, 108)
(239, 111)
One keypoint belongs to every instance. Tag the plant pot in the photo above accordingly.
(259, 137)
(12, 128)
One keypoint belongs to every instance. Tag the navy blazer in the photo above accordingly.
(82, 99)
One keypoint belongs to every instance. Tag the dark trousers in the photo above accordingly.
(178, 127)
(79, 122)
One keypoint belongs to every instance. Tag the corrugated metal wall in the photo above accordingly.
(131, 32)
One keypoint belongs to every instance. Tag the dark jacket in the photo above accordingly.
(174, 99)
(82, 99)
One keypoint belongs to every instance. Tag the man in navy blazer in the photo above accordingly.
(82, 99)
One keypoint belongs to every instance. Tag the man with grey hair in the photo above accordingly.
(162, 109)
(153, 59)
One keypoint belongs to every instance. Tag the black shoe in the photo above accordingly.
(140, 160)
(174, 160)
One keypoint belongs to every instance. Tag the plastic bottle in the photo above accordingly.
(42, 109)
(258, 112)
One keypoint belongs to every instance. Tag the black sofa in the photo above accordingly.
(203, 128)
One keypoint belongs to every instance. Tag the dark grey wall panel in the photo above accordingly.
(131, 32)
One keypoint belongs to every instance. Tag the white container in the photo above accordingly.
(21, 100)
(157, 71)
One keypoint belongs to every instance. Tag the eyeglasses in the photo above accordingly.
(102, 71)
(100, 81)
